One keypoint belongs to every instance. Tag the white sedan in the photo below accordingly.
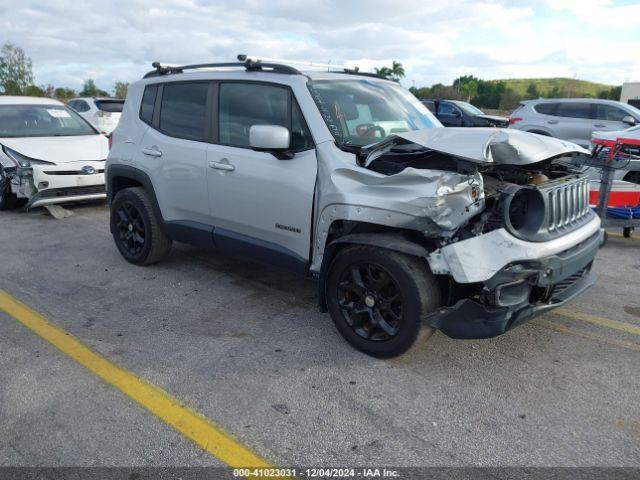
(633, 132)
(48, 154)
(630, 170)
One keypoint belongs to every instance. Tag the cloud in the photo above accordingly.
(435, 41)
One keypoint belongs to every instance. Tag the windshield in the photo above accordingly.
(360, 112)
(634, 111)
(467, 107)
(114, 106)
(41, 121)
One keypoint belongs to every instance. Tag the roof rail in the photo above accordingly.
(331, 68)
(248, 64)
(251, 63)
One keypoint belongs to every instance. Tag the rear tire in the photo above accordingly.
(136, 228)
(377, 297)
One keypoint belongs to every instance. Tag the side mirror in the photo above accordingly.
(269, 138)
(629, 120)
(457, 114)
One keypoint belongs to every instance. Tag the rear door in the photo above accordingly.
(262, 205)
(174, 151)
(573, 121)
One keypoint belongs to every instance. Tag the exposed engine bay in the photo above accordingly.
(533, 201)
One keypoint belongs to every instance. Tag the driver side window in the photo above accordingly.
(242, 105)
(447, 109)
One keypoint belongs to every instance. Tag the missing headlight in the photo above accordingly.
(524, 212)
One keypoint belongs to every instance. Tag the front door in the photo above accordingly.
(449, 115)
(609, 118)
(262, 206)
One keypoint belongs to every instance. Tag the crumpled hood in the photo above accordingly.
(60, 149)
(485, 145)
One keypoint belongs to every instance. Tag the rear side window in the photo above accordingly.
(546, 108)
(430, 105)
(242, 105)
(612, 114)
(80, 106)
(148, 101)
(183, 110)
(574, 110)
(112, 106)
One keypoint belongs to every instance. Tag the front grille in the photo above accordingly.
(567, 203)
(72, 191)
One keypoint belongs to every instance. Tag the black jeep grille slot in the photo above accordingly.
(562, 285)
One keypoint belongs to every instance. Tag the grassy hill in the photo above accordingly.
(567, 86)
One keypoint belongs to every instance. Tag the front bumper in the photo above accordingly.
(52, 196)
(479, 258)
(519, 292)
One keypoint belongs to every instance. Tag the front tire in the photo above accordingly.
(136, 228)
(377, 297)
(8, 201)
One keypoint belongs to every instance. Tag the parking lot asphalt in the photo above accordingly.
(246, 347)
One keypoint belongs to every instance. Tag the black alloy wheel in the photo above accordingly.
(130, 228)
(370, 301)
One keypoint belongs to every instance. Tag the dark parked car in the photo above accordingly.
(454, 113)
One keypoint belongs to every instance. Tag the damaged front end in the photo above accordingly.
(502, 215)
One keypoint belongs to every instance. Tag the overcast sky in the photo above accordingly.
(436, 41)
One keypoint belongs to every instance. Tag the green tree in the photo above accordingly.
(120, 89)
(612, 93)
(395, 72)
(15, 70)
(532, 91)
(467, 86)
(89, 89)
(64, 94)
(35, 91)
(509, 100)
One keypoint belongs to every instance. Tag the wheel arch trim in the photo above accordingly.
(393, 241)
(132, 173)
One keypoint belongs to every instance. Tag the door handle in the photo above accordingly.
(600, 126)
(226, 166)
(552, 122)
(152, 152)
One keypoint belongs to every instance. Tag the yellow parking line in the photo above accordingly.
(619, 235)
(192, 425)
(581, 333)
(603, 322)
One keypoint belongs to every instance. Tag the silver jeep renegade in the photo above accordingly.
(348, 178)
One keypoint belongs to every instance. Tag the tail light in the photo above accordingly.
(110, 139)
(513, 120)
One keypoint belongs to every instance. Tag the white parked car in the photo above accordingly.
(613, 135)
(630, 171)
(103, 112)
(48, 154)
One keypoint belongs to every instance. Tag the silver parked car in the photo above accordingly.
(573, 119)
(348, 178)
